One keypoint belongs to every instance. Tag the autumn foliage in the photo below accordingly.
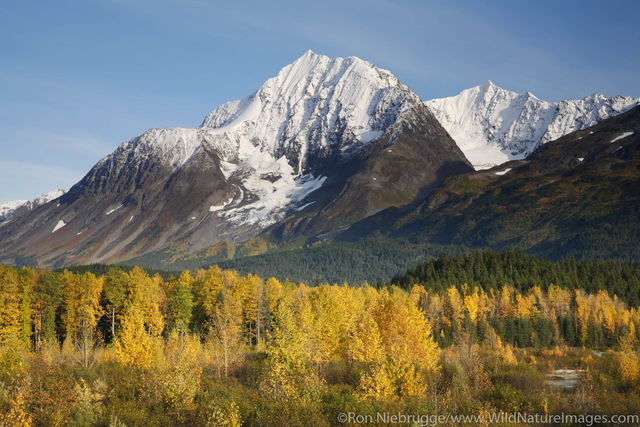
(214, 347)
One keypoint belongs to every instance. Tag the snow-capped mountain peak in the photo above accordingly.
(273, 146)
(493, 125)
(316, 106)
(324, 143)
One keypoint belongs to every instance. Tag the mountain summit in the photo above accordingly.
(324, 143)
(316, 107)
(493, 125)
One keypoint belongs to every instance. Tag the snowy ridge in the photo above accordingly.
(45, 198)
(8, 208)
(492, 125)
(173, 146)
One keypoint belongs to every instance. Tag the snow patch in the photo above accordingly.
(304, 206)
(215, 208)
(113, 210)
(370, 135)
(58, 226)
(621, 136)
(502, 172)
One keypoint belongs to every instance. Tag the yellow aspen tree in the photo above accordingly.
(454, 303)
(251, 288)
(115, 293)
(367, 342)
(435, 312)
(26, 279)
(148, 294)
(540, 300)
(227, 329)
(306, 323)
(472, 304)
(133, 345)
(377, 384)
(83, 310)
(582, 314)
(180, 303)
(419, 296)
(273, 292)
(286, 353)
(208, 285)
(330, 321)
(182, 376)
(505, 303)
(628, 360)
(560, 299)
(259, 307)
(409, 347)
(524, 306)
(142, 321)
(350, 309)
(9, 305)
(606, 310)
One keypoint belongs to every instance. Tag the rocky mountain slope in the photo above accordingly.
(326, 142)
(493, 125)
(579, 194)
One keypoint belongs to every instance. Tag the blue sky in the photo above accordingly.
(79, 77)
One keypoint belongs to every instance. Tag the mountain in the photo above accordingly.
(7, 209)
(493, 125)
(579, 194)
(325, 143)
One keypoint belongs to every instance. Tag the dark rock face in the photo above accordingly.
(414, 156)
(123, 206)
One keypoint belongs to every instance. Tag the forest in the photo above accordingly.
(214, 347)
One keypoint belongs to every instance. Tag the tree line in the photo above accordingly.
(491, 270)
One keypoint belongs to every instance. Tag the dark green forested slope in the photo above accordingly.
(492, 270)
(373, 259)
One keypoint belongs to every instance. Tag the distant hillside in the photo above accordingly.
(578, 195)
